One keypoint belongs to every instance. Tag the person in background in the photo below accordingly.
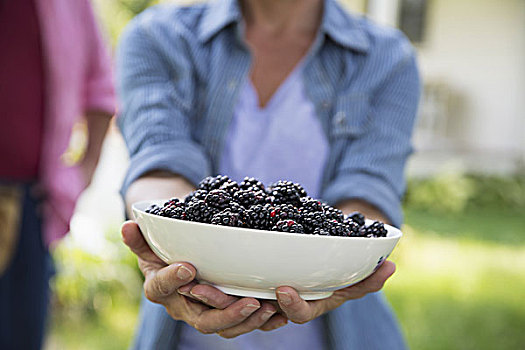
(296, 90)
(54, 72)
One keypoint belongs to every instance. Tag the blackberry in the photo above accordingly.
(173, 208)
(235, 207)
(174, 212)
(213, 182)
(357, 217)
(230, 186)
(312, 221)
(174, 202)
(284, 212)
(300, 190)
(218, 199)
(287, 192)
(310, 205)
(251, 183)
(321, 232)
(154, 209)
(197, 210)
(333, 213)
(197, 194)
(376, 229)
(238, 209)
(288, 226)
(248, 198)
(226, 218)
(335, 228)
(257, 217)
(354, 229)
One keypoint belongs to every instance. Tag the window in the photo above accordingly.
(412, 19)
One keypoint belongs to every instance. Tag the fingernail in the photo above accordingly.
(284, 298)
(249, 309)
(282, 324)
(266, 315)
(183, 273)
(200, 297)
(185, 289)
(183, 292)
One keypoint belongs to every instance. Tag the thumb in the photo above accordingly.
(133, 238)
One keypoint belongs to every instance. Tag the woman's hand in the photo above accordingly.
(173, 286)
(290, 305)
(298, 310)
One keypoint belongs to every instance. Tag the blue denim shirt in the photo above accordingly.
(180, 71)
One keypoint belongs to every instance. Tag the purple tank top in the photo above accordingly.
(283, 140)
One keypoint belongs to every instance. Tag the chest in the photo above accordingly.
(273, 59)
(329, 78)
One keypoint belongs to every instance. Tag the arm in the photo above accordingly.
(157, 184)
(371, 168)
(173, 286)
(97, 126)
(368, 210)
(165, 161)
(370, 179)
(99, 94)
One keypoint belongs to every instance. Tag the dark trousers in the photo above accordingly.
(24, 286)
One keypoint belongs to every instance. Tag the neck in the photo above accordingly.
(278, 16)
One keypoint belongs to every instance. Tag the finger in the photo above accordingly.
(294, 307)
(214, 320)
(211, 296)
(185, 289)
(162, 283)
(277, 321)
(371, 284)
(377, 280)
(255, 321)
(133, 238)
(180, 307)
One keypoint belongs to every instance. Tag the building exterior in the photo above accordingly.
(472, 58)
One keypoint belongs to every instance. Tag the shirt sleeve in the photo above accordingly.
(156, 106)
(372, 164)
(99, 89)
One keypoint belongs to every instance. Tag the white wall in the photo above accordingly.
(478, 48)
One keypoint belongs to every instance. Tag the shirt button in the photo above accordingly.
(340, 118)
(232, 84)
(325, 104)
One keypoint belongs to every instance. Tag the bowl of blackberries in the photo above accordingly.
(247, 239)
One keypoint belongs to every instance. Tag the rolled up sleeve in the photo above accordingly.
(156, 106)
(372, 164)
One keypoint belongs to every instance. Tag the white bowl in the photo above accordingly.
(248, 262)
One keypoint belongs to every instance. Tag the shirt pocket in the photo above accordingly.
(351, 116)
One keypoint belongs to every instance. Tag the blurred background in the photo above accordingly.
(461, 263)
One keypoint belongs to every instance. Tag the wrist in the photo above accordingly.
(368, 210)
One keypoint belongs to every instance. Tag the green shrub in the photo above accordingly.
(444, 193)
(456, 192)
(88, 284)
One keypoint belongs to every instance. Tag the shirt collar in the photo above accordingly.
(342, 28)
(218, 14)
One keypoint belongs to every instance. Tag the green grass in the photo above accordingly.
(459, 285)
(487, 224)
